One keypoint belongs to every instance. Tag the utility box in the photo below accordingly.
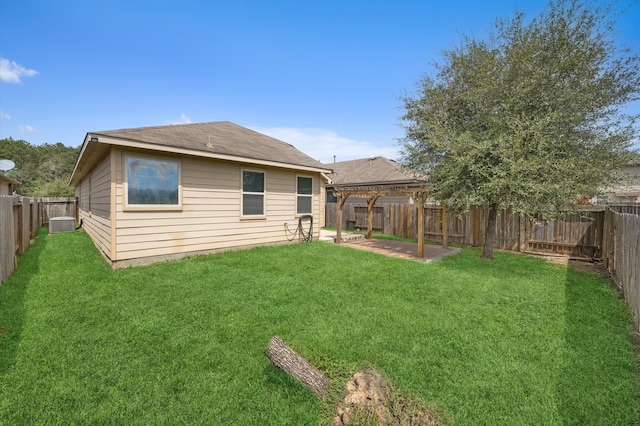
(62, 224)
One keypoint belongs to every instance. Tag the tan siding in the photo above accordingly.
(319, 203)
(210, 219)
(100, 189)
(84, 194)
(117, 187)
(99, 230)
(97, 222)
(219, 244)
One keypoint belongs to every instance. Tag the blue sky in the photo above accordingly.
(325, 76)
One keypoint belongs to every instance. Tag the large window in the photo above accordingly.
(252, 193)
(304, 195)
(151, 182)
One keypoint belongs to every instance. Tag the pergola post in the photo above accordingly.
(342, 197)
(370, 202)
(420, 224)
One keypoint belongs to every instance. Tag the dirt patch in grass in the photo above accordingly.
(402, 249)
(370, 400)
(586, 264)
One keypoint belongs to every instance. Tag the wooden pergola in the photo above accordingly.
(372, 193)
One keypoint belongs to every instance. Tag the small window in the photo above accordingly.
(252, 193)
(151, 182)
(304, 195)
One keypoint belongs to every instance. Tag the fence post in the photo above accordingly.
(445, 227)
(474, 235)
(392, 218)
(8, 241)
(26, 219)
(608, 233)
(34, 218)
(522, 233)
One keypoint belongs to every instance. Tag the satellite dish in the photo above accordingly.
(6, 165)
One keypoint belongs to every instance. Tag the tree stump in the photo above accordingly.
(285, 358)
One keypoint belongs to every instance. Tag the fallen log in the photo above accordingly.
(285, 358)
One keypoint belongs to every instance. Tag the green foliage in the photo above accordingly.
(510, 342)
(43, 170)
(59, 187)
(531, 118)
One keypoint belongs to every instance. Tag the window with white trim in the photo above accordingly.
(152, 183)
(304, 195)
(253, 193)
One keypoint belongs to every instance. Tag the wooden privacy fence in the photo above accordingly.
(573, 234)
(20, 220)
(59, 207)
(621, 253)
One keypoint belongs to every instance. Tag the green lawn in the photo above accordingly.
(510, 342)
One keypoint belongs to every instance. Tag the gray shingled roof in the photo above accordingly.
(221, 137)
(368, 171)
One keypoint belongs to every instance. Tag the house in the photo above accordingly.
(7, 185)
(158, 193)
(368, 172)
(629, 191)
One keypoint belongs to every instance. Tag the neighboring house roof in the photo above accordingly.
(220, 140)
(374, 170)
(8, 179)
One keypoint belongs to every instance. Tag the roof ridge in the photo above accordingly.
(363, 159)
(160, 126)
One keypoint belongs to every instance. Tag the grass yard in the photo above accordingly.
(516, 341)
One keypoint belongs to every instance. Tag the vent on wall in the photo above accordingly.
(62, 224)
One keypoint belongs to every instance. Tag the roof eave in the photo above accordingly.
(10, 180)
(99, 138)
(80, 155)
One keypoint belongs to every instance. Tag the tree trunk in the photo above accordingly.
(490, 233)
(285, 358)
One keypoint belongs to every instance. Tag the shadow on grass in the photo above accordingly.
(12, 301)
(597, 382)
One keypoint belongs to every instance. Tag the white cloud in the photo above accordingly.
(26, 128)
(323, 144)
(11, 72)
(4, 116)
(184, 119)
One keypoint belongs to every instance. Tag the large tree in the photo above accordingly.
(530, 118)
(42, 170)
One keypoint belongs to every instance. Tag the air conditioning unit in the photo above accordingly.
(62, 224)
